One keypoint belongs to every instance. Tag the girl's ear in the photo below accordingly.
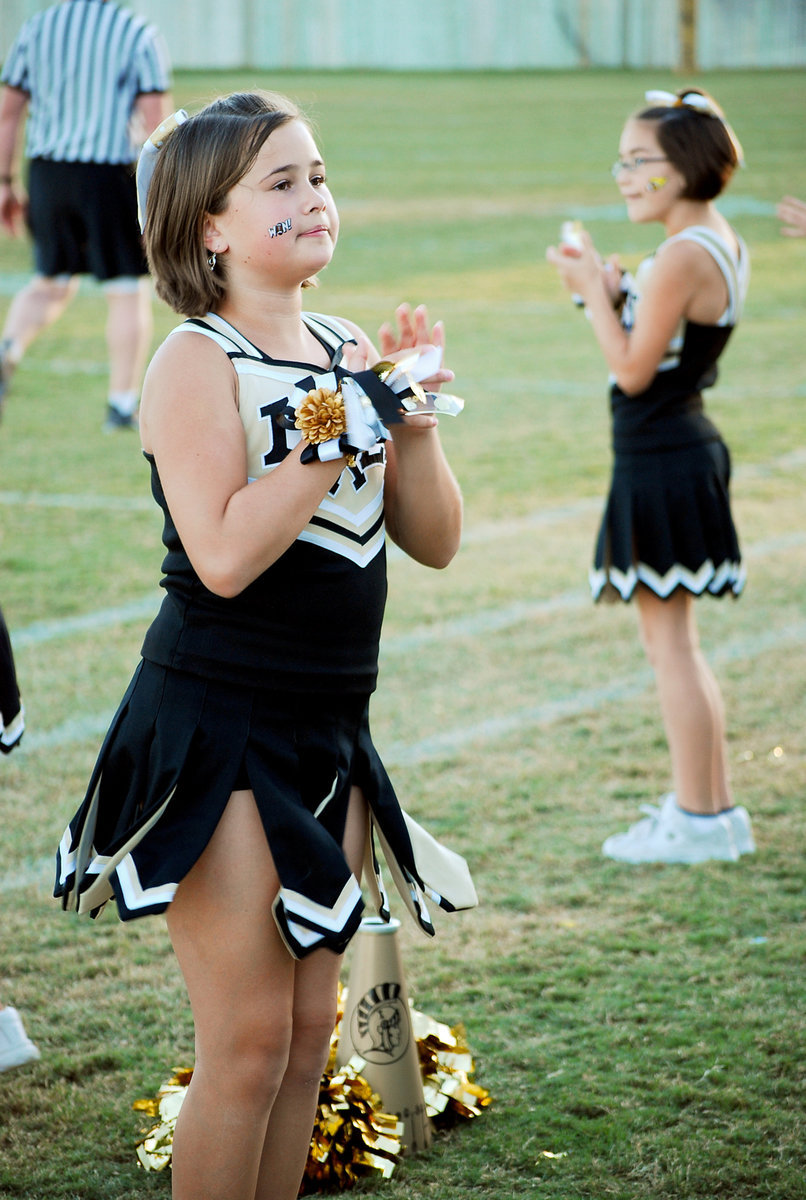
(212, 237)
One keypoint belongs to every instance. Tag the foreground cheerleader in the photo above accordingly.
(238, 788)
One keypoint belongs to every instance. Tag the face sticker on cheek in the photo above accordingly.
(280, 228)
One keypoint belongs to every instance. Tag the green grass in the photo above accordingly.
(643, 1026)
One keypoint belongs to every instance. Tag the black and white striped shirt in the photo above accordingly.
(83, 63)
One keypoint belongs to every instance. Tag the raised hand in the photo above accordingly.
(793, 213)
(413, 332)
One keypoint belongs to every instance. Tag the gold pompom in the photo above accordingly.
(352, 1136)
(321, 416)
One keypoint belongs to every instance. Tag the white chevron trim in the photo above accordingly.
(67, 857)
(707, 578)
(333, 918)
(360, 555)
(11, 733)
(356, 519)
(135, 895)
(303, 936)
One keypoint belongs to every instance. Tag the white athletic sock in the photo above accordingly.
(697, 816)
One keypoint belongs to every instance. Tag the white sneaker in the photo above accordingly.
(742, 829)
(667, 834)
(16, 1048)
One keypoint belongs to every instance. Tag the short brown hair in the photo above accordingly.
(198, 165)
(698, 142)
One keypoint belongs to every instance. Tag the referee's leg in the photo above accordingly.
(41, 302)
(129, 328)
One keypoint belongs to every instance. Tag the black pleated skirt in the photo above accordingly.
(668, 525)
(178, 747)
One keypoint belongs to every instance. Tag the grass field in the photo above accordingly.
(641, 1029)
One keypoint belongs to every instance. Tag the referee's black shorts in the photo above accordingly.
(83, 219)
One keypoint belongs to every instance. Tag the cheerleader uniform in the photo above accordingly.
(667, 522)
(268, 691)
(12, 714)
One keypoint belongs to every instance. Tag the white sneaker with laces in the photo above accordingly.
(740, 824)
(742, 830)
(667, 834)
(16, 1048)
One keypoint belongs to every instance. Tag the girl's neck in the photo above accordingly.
(686, 213)
(700, 212)
(274, 323)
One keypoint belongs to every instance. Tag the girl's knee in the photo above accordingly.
(665, 637)
(251, 1057)
(310, 1040)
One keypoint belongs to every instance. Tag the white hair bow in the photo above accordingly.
(148, 159)
(702, 104)
(688, 100)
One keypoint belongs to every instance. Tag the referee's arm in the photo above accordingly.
(150, 108)
(13, 104)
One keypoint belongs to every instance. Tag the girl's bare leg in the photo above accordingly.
(263, 1021)
(41, 302)
(690, 699)
(240, 980)
(315, 991)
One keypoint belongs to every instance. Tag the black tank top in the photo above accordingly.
(312, 621)
(670, 412)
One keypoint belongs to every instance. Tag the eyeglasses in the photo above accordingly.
(635, 165)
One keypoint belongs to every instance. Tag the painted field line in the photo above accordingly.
(81, 501)
(452, 741)
(495, 620)
(48, 631)
(38, 873)
(88, 501)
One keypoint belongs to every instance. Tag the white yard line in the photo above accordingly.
(81, 501)
(48, 631)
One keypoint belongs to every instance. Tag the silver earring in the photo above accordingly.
(211, 260)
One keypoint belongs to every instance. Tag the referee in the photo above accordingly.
(94, 80)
